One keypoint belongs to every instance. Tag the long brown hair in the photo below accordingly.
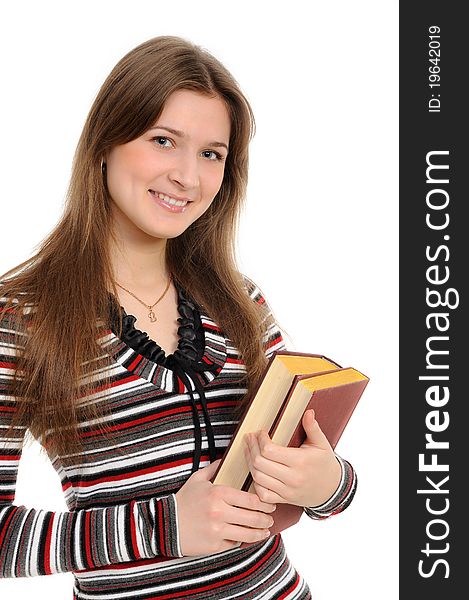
(60, 296)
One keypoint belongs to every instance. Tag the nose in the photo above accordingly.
(185, 171)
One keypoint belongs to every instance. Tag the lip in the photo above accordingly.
(171, 195)
(165, 205)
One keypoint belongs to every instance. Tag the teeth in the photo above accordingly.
(170, 200)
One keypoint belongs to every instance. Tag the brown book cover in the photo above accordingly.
(333, 408)
(256, 389)
(325, 404)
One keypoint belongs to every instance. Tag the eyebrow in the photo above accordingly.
(182, 134)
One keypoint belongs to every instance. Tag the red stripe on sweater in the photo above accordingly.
(211, 327)
(135, 362)
(207, 588)
(141, 421)
(88, 538)
(181, 385)
(113, 384)
(234, 361)
(134, 473)
(7, 497)
(272, 343)
(5, 526)
(66, 485)
(291, 588)
(161, 525)
(126, 565)
(133, 532)
(47, 567)
(7, 365)
(218, 584)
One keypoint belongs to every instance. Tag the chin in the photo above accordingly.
(166, 234)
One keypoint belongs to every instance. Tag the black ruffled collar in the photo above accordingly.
(197, 361)
(191, 336)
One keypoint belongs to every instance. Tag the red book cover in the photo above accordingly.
(333, 408)
(256, 388)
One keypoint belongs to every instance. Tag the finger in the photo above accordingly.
(270, 450)
(209, 471)
(245, 534)
(263, 461)
(274, 477)
(270, 489)
(247, 500)
(314, 434)
(249, 518)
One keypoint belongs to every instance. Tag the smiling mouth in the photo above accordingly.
(168, 199)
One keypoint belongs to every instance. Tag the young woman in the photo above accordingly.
(128, 347)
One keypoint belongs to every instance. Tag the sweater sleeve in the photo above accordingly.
(342, 497)
(41, 542)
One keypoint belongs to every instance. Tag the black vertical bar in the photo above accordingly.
(434, 255)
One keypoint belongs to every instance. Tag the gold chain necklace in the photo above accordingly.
(151, 314)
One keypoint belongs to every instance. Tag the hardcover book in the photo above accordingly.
(292, 383)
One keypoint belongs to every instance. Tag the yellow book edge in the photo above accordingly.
(264, 409)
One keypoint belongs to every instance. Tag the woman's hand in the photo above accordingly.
(213, 518)
(304, 476)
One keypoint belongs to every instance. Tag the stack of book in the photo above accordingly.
(292, 383)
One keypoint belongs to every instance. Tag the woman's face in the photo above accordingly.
(164, 180)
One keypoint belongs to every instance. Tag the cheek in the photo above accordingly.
(128, 163)
(213, 182)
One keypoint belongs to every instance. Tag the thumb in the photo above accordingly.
(314, 434)
(206, 473)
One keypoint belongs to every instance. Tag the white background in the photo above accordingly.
(319, 234)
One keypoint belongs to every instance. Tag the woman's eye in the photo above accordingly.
(212, 155)
(165, 142)
(160, 141)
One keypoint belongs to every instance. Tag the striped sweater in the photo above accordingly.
(120, 536)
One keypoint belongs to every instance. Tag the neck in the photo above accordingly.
(141, 265)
